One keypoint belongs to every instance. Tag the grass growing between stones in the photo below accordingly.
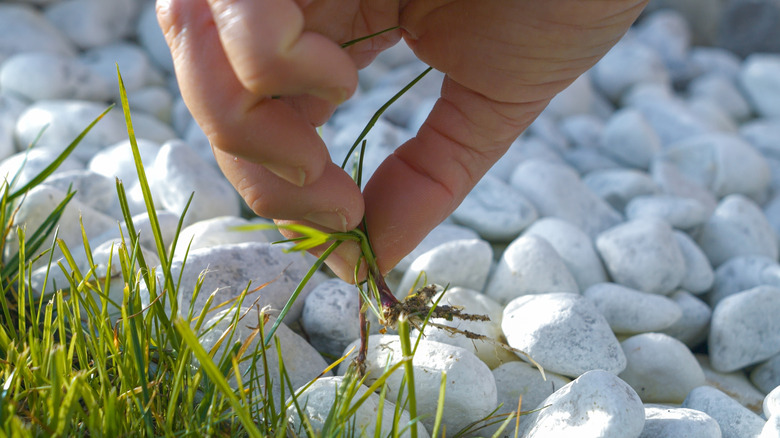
(71, 367)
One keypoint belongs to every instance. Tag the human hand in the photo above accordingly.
(503, 59)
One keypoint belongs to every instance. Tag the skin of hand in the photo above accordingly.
(503, 61)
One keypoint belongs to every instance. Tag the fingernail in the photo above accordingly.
(329, 219)
(292, 174)
(343, 261)
(336, 95)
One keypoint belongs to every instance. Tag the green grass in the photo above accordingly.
(75, 363)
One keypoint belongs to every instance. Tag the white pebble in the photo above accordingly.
(693, 326)
(93, 23)
(741, 273)
(771, 404)
(736, 385)
(24, 29)
(529, 265)
(680, 212)
(669, 422)
(699, 275)
(630, 139)
(630, 311)
(735, 421)
(42, 75)
(216, 231)
(619, 186)
(464, 263)
(766, 376)
(563, 332)
(629, 62)
(760, 78)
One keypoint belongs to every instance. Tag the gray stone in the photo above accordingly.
(495, 210)
(630, 311)
(735, 421)
(563, 332)
(317, 401)
(302, 363)
(699, 275)
(24, 29)
(596, 404)
(738, 227)
(92, 23)
(668, 422)
(679, 212)
(43, 75)
(464, 263)
(661, 369)
(228, 270)
(556, 190)
(629, 62)
(766, 376)
(760, 78)
(643, 254)
(619, 186)
(674, 183)
(721, 90)
(720, 162)
(745, 329)
(469, 301)
(736, 385)
(742, 273)
(693, 326)
(470, 386)
(529, 265)
(178, 172)
(630, 139)
(574, 247)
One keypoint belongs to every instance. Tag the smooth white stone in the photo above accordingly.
(760, 78)
(397, 78)
(302, 363)
(470, 387)
(93, 23)
(495, 210)
(216, 231)
(693, 326)
(134, 65)
(630, 139)
(735, 421)
(720, 162)
(151, 128)
(574, 247)
(699, 275)
(529, 265)
(547, 129)
(738, 227)
(668, 422)
(24, 166)
(630, 311)
(177, 172)
(629, 62)
(742, 273)
(24, 29)
(43, 75)
(577, 98)
(381, 141)
(154, 100)
(763, 134)
(771, 428)
(643, 254)
(116, 160)
(463, 263)
(587, 159)
(318, 399)
(150, 36)
(597, 404)
(65, 120)
(718, 88)
(766, 376)
(330, 316)
(582, 130)
(92, 189)
(713, 115)
(679, 212)
(11, 107)
(736, 385)
(167, 221)
(475, 303)
(522, 149)
(660, 368)
(199, 142)
(443, 232)
(619, 186)
(745, 329)
(563, 332)
(672, 119)
(647, 92)
(771, 405)
(668, 32)
(229, 269)
(556, 190)
(717, 60)
(672, 182)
